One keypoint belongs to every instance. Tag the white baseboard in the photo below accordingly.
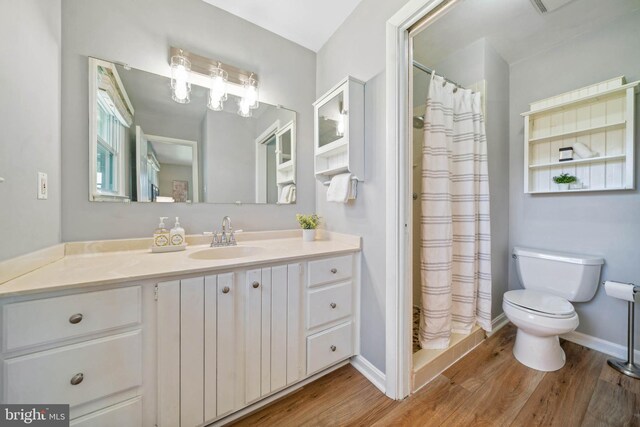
(497, 324)
(370, 372)
(598, 344)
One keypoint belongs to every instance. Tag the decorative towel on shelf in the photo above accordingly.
(342, 188)
(287, 195)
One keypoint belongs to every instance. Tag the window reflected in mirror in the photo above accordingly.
(145, 147)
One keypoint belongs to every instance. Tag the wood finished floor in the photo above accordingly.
(488, 387)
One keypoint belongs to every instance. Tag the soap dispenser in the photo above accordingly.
(161, 234)
(177, 234)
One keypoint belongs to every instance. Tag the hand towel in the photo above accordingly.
(583, 151)
(339, 190)
(285, 194)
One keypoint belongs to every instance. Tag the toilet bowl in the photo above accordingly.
(542, 310)
(540, 318)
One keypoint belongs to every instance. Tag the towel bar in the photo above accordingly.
(353, 178)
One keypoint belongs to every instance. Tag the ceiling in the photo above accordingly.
(172, 154)
(514, 28)
(308, 23)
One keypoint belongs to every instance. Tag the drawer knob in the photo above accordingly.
(333, 305)
(333, 348)
(334, 270)
(255, 285)
(77, 379)
(225, 290)
(76, 318)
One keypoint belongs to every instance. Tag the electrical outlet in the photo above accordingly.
(43, 186)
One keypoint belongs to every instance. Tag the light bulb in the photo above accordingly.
(180, 91)
(244, 108)
(218, 89)
(250, 94)
(181, 88)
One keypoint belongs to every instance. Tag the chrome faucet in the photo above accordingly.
(224, 239)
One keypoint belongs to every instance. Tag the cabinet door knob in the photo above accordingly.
(225, 290)
(77, 379)
(76, 318)
(255, 285)
(334, 270)
(333, 348)
(333, 305)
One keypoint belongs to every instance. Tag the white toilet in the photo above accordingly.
(542, 310)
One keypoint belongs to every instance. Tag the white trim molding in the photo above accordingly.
(498, 323)
(398, 364)
(370, 372)
(598, 344)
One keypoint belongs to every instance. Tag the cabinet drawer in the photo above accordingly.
(327, 304)
(330, 270)
(48, 320)
(328, 347)
(107, 365)
(125, 414)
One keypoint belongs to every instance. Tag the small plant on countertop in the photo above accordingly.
(308, 222)
(564, 178)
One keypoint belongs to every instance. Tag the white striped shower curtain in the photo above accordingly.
(456, 237)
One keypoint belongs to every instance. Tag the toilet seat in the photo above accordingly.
(539, 303)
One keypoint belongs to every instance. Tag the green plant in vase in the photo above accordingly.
(308, 223)
(564, 179)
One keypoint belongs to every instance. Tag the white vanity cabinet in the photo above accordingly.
(228, 341)
(191, 350)
(84, 349)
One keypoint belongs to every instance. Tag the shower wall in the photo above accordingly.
(469, 65)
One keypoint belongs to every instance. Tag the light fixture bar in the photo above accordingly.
(204, 66)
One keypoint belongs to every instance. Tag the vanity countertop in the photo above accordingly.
(116, 261)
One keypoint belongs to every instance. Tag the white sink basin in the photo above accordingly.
(226, 252)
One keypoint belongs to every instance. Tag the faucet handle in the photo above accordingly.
(215, 241)
(232, 238)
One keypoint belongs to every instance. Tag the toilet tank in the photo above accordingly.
(572, 276)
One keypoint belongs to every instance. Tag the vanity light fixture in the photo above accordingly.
(218, 89)
(180, 85)
(188, 68)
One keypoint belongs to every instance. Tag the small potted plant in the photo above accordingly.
(308, 223)
(563, 180)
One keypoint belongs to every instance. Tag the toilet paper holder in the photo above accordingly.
(628, 367)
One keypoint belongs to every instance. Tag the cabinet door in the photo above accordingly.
(225, 345)
(272, 330)
(295, 367)
(191, 352)
(168, 334)
(253, 335)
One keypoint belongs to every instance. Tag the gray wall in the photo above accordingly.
(605, 223)
(140, 33)
(230, 158)
(357, 48)
(169, 173)
(30, 110)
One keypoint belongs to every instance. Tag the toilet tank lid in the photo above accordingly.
(558, 256)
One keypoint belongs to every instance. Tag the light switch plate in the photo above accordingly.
(43, 186)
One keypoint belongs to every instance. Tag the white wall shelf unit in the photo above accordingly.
(600, 116)
(339, 130)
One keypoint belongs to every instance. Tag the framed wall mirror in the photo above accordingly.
(145, 147)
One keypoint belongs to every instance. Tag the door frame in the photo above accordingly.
(398, 334)
(195, 174)
(261, 160)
